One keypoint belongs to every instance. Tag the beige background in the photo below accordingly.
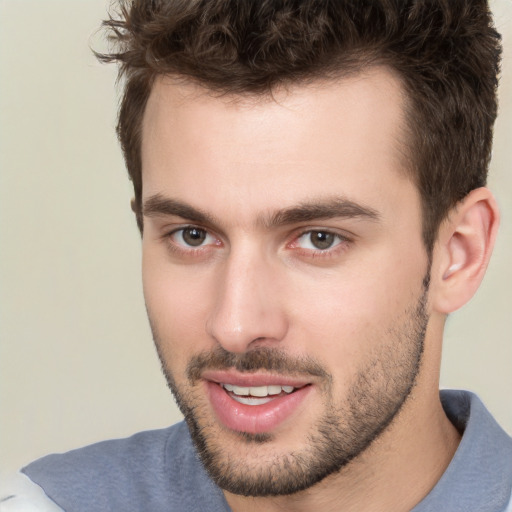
(76, 358)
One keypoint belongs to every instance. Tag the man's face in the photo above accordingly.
(284, 273)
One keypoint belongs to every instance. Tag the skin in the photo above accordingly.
(260, 285)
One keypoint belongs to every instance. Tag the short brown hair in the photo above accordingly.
(446, 53)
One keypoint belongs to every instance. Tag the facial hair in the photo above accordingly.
(342, 433)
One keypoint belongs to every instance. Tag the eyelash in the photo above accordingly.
(342, 242)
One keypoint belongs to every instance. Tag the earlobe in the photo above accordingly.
(466, 240)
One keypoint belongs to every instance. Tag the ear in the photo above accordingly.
(465, 242)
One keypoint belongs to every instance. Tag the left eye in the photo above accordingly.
(318, 240)
(192, 237)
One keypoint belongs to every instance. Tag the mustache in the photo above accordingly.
(263, 358)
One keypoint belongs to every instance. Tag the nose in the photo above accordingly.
(248, 310)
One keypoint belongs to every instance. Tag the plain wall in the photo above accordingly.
(77, 363)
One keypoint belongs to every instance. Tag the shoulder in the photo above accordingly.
(116, 459)
(151, 470)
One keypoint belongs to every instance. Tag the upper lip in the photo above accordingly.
(236, 378)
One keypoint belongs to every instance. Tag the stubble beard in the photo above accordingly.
(344, 431)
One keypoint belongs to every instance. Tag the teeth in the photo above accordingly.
(257, 391)
(241, 391)
(275, 390)
(249, 400)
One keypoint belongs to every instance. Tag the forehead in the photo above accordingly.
(246, 153)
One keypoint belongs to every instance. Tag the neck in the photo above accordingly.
(394, 474)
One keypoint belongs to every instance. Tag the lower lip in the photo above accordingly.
(254, 419)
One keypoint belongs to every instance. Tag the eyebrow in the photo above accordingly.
(158, 205)
(330, 208)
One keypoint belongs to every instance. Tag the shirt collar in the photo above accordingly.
(479, 477)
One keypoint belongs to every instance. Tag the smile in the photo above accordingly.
(256, 395)
(254, 403)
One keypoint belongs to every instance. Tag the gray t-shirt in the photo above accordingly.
(159, 471)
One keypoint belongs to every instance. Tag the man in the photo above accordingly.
(310, 187)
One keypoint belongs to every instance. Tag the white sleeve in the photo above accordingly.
(509, 506)
(19, 494)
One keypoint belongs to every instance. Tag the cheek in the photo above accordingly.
(344, 319)
(176, 303)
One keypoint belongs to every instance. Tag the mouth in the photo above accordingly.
(252, 403)
(257, 395)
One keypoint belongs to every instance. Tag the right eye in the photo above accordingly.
(192, 237)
